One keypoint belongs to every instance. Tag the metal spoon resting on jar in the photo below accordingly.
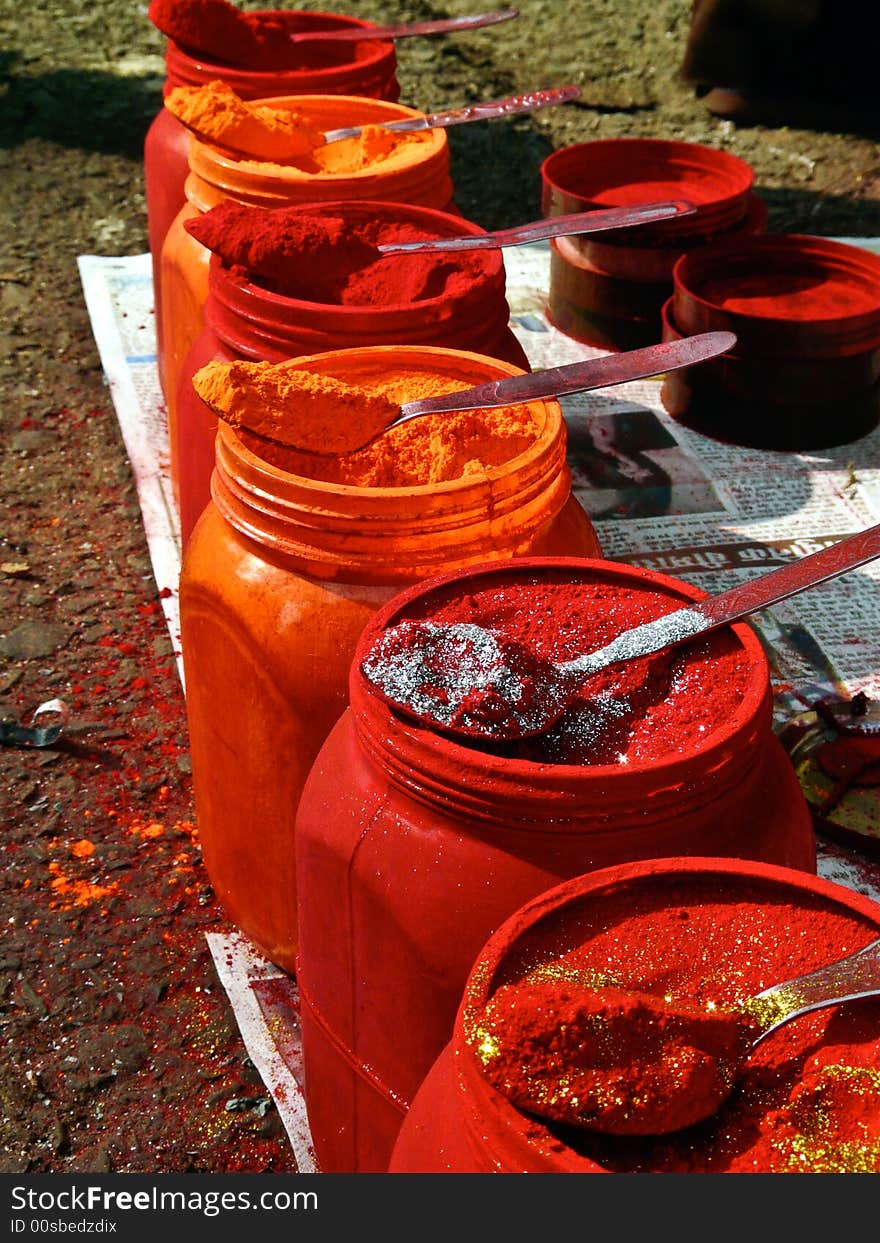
(469, 680)
(264, 132)
(623, 1062)
(286, 405)
(600, 220)
(217, 28)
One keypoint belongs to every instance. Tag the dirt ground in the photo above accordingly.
(119, 1051)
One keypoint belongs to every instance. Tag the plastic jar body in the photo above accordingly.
(243, 320)
(412, 848)
(368, 69)
(460, 1123)
(279, 577)
(418, 174)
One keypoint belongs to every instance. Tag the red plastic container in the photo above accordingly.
(609, 292)
(805, 372)
(784, 296)
(245, 321)
(411, 848)
(459, 1123)
(620, 172)
(320, 69)
(781, 404)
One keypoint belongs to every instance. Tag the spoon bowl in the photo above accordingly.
(640, 1064)
(355, 418)
(470, 681)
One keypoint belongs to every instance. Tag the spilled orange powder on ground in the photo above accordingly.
(77, 892)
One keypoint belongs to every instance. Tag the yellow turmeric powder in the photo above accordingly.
(262, 132)
(437, 448)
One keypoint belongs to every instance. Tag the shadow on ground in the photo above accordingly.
(83, 109)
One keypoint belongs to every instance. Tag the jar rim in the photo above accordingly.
(553, 428)
(391, 735)
(378, 51)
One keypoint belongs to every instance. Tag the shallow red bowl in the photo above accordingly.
(601, 310)
(786, 296)
(618, 172)
(782, 381)
(786, 405)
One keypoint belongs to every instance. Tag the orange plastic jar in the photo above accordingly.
(417, 173)
(778, 1119)
(411, 848)
(278, 579)
(243, 320)
(368, 69)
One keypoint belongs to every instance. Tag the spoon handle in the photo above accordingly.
(788, 580)
(857, 975)
(576, 377)
(733, 605)
(471, 112)
(554, 226)
(359, 34)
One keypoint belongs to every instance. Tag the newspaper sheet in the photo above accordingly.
(660, 496)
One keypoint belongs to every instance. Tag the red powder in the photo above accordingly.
(638, 711)
(609, 1060)
(327, 259)
(807, 1099)
(220, 32)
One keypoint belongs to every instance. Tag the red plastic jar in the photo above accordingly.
(246, 321)
(805, 372)
(321, 69)
(412, 848)
(459, 1123)
(609, 292)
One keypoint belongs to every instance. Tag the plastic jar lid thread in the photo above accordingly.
(401, 533)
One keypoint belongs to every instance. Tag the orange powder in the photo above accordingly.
(215, 113)
(280, 135)
(282, 402)
(437, 448)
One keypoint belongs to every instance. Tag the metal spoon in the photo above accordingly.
(553, 226)
(356, 433)
(508, 106)
(679, 1035)
(435, 120)
(174, 23)
(443, 25)
(468, 680)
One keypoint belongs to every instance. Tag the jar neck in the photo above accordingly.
(511, 795)
(256, 323)
(417, 175)
(372, 62)
(393, 535)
